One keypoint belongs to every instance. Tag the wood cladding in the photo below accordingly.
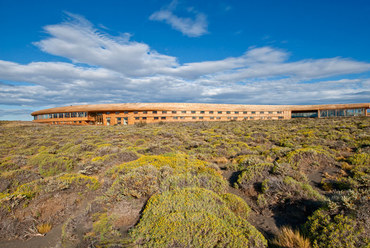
(131, 113)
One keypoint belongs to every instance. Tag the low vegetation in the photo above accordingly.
(294, 183)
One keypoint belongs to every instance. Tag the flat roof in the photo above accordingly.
(192, 106)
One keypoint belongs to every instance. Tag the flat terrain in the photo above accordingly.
(224, 184)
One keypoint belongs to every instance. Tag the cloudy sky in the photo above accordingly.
(69, 52)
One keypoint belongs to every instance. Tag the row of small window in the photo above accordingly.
(60, 115)
(202, 118)
(201, 112)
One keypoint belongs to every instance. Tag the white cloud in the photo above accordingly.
(192, 27)
(114, 69)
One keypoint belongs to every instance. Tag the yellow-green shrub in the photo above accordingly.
(326, 231)
(193, 217)
(237, 205)
(51, 164)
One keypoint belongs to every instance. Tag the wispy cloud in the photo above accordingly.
(107, 69)
(191, 26)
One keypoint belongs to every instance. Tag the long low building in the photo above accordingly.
(131, 113)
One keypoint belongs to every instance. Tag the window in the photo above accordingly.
(154, 112)
(253, 113)
(219, 112)
(212, 118)
(183, 112)
(60, 115)
(117, 113)
(175, 117)
(235, 118)
(144, 118)
(182, 117)
(156, 118)
(201, 118)
(193, 112)
(79, 121)
(280, 117)
(236, 112)
(251, 117)
(194, 117)
(164, 112)
(125, 112)
(67, 115)
(174, 112)
(279, 112)
(211, 112)
(50, 116)
(228, 117)
(262, 112)
(119, 120)
(108, 113)
(55, 116)
(202, 112)
(218, 118)
(269, 118)
(270, 112)
(145, 112)
(163, 118)
(245, 118)
(137, 118)
(136, 112)
(228, 112)
(245, 112)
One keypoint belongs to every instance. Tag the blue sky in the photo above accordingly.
(56, 53)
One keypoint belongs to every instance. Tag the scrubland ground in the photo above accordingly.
(294, 183)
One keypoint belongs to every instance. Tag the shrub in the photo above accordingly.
(193, 217)
(327, 231)
(253, 174)
(44, 228)
(303, 189)
(51, 164)
(237, 205)
(103, 229)
(69, 180)
(360, 159)
(288, 238)
(150, 174)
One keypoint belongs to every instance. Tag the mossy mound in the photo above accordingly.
(193, 217)
(157, 173)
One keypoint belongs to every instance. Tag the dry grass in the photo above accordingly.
(288, 238)
(44, 228)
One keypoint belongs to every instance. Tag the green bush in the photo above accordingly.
(51, 164)
(327, 231)
(237, 205)
(193, 217)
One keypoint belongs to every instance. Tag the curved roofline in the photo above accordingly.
(190, 106)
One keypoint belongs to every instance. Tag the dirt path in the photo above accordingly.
(50, 240)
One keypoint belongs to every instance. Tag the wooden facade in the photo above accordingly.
(131, 113)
